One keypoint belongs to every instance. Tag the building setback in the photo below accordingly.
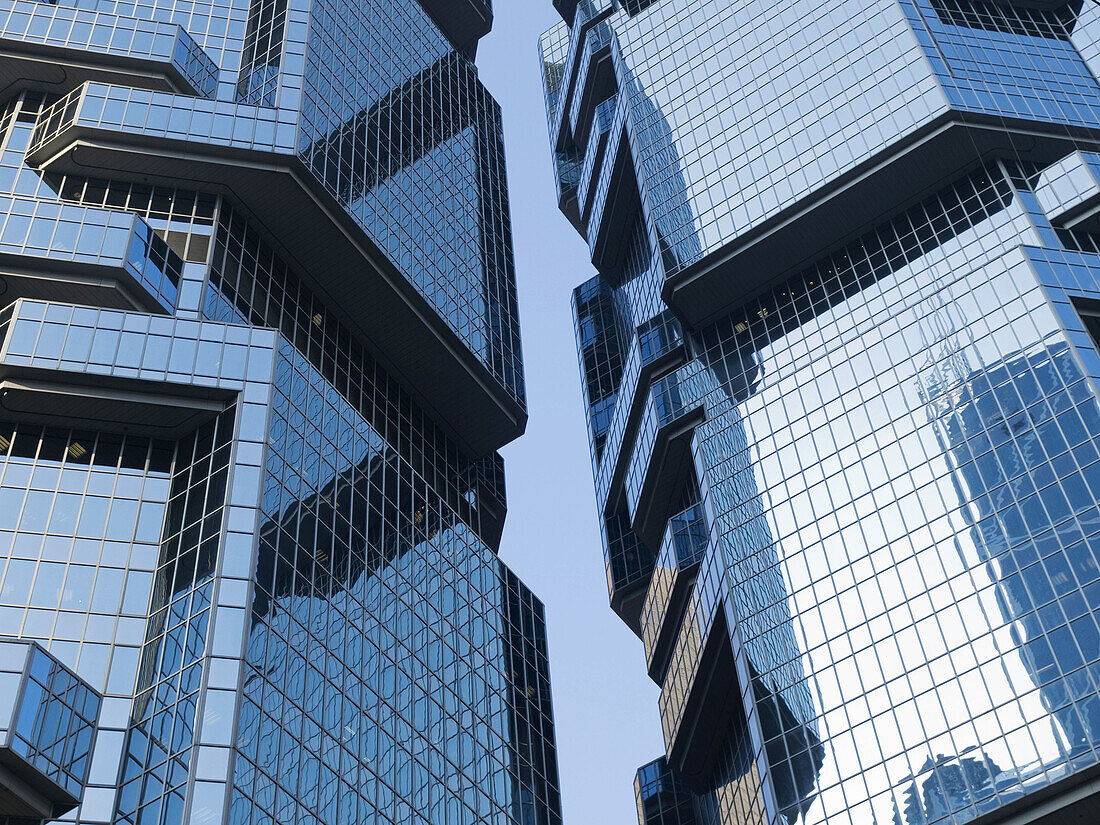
(840, 365)
(259, 347)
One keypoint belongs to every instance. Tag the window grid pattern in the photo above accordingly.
(595, 149)
(218, 28)
(402, 661)
(54, 722)
(897, 454)
(662, 799)
(263, 47)
(67, 27)
(682, 548)
(715, 164)
(152, 114)
(382, 657)
(554, 48)
(120, 345)
(738, 796)
(412, 147)
(82, 552)
(534, 759)
(36, 225)
(601, 355)
(419, 163)
(155, 771)
(183, 219)
(1000, 515)
(375, 647)
(1009, 61)
(628, 561)
(250, 283)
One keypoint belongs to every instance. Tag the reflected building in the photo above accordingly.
(1028, 562)
(840, 369)
(945, 786)
(259, 348)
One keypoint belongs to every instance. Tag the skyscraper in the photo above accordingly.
(258, 349)
(841, 373)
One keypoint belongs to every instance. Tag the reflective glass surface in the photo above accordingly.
(53, 723)
(290, 596)
(892, 425)
(903, 489)
(240, 526)
(153, 782)
(412, 146)
(662, 798)
(393, 664)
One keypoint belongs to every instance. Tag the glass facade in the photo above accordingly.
(840, 366)
(48, 726)
(233, 502)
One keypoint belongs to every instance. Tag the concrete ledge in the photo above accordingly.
(710, 704)
(37, 798)
(841, 211)
(464, 22)
(328, 249)
(56, 402)
(53, 48)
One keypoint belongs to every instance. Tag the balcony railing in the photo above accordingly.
(54, 119)
(5, 322)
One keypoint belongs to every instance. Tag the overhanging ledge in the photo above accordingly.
(464, 22)
(328, 249)
(839, 212)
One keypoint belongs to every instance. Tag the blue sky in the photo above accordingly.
(606, 706)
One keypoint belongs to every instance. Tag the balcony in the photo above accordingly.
(48, 719)
(75, 253)
(615, 198)
(685, 542)
(595, 80)
(84, 366)
(700, 694)
(661, 797)
(661, 452)
(248, 154)
(913, 167)
(657, 345)
(594, 154)
(53, 48)
(629, 567)
(1069, 191)
(578, 38)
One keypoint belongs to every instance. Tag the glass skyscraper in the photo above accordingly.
(258, 349)
(841, 374)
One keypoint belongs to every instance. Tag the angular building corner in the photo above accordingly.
(841, 373)
(259, 347)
